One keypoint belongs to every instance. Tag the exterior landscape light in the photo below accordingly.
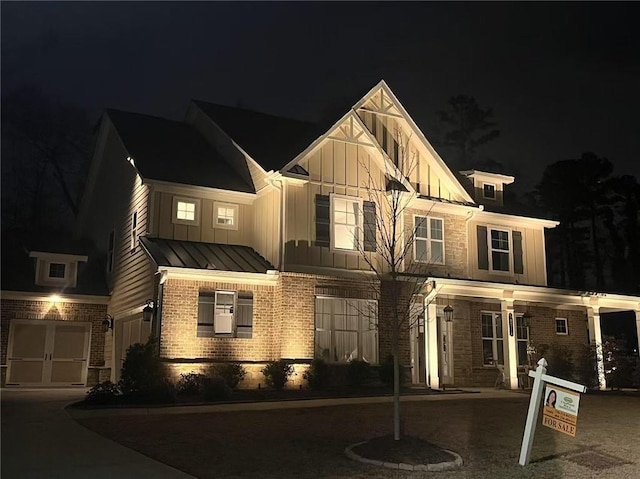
(448, 313)
(147, 311)
(107, 322)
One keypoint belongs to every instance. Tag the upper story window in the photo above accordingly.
(428, 244)
(186, 211)
(134, 230)
(489, 191)
(57, 270)
(111, 250)
(346, 222)
(499, 250)
(225, 216)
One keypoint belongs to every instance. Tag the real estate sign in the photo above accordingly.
(561, 409)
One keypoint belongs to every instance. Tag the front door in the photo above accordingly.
(446, 352)
(48, 353)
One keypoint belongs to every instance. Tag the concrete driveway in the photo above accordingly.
(40, 440)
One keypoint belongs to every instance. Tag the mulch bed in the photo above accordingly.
(408, 450)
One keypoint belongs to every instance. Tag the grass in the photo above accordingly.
(309, 443)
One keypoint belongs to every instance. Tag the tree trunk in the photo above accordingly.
(396, 396)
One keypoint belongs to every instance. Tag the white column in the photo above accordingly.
(431, 339)
(638, 328)
(510, 343)
(595, 335)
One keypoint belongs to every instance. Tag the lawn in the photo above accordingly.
(309, 442)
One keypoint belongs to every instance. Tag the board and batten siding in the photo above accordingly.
(336, 167)
(533, 256)
(164, 227)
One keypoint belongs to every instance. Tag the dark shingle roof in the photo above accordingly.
(173, 151)
(211, 256)
(270, 140)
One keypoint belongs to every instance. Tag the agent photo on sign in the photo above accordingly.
(551, 399)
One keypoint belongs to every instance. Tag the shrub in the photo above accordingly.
(560, 359)
(215, 389)
(358, 373)
(103, 393)
(232, 373)
(143, 377)
(635, 377)
(587, 367)
(190, 384)
(277, 373)
(318, 375)
(385, 371)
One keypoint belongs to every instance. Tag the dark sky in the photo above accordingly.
(563, 78)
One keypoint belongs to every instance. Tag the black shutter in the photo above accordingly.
(206, 304)
(244, 315)
(483, 250)
(518, 267)
(323, 222)
(369, 225)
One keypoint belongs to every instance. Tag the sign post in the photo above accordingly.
(561, 416)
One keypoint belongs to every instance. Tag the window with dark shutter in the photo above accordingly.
(518, 266)
(323, 220)
(244, 315)
(369, 208)
(206, 305)
(483, 251)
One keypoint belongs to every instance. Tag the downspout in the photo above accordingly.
(158, 303)
(279, 184)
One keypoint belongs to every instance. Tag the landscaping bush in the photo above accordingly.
(358, 373)
(560, 359)
(318, 375)
(277, 373)
(385, 372)
(587, 367)
(215, 389)
(103, 393)
(190, 384)
(635, 377)
(232, 373)
(143, 377)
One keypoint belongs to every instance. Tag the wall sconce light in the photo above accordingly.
(148, 311)
(526, 319)
(107, 323)
(448, 313)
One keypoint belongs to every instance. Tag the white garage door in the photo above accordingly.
(48, 353)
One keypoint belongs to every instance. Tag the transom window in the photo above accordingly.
(346, 329)
(347, 222)
(561, 326)
(225, 216)
(186, 211)
(428, 245)
(489, 191)
(499, 250)
(492, 339)
(226, 314)
(57, 270)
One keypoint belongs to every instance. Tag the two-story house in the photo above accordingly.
(245, 237)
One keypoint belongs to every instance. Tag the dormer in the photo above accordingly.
(488, 188)
(56, 269)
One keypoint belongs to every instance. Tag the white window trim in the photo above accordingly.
(135, 220)
(174, 211)
(524, 340)
(236, 211)
(566, 326)
(490, 249)
(495, 190)
(360, 226)
(495, 317)
(53, 279)
(428, 240)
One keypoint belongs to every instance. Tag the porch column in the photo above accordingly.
(431, 344)
(595, 336)
(638, 328)
(509, 343)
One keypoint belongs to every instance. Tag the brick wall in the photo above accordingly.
(23, 309)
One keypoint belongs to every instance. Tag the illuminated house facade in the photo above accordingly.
(236, 230)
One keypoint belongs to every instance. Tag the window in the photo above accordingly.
(522, 338)
(499, 250)
(225, 216)
(226, 314)
(346, 329)
(347, 222)
(489, 191)
(110, 250)
(57, 270)
(186, 211)
(428, 245)
(134, 230)
(492, 339)
(562, 326)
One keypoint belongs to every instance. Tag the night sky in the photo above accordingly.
(562, 78)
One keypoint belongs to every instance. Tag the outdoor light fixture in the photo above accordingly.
(148, 310)
(107, 322)
(448, 313)
(526, 319)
